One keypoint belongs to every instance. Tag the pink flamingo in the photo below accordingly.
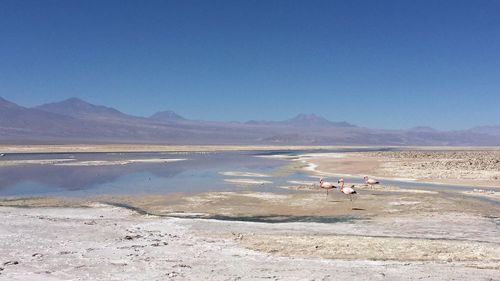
(370, 182)
(326, 185)
(349, 191)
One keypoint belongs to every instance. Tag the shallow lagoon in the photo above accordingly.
(88, 174)
(82, 174)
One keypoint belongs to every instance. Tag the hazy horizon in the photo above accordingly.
(385, 64)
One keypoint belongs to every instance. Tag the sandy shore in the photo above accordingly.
(108, 243)
(474, 168)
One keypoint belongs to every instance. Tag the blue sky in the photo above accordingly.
(383, 64)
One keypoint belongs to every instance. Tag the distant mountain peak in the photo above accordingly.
(76, 107)
(304, 120)
(79, 102)
(167, 115)
(5, 103)
(312, 119)
(76, 101)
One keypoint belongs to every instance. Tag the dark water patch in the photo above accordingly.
(261, 219)
(492, 217)
(129, 207)
(285, 219)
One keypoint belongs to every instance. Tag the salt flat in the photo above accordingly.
(108, 243)
(387, 233)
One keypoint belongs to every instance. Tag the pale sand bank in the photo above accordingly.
(491, 194)
(314, 186)
(73, 162)
(475, 168)
(117, 162)
(244, 174)
(277, 156)
(310, 183)
(6, 163)
(248, 181)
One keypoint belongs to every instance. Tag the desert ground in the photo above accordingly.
(387, 232)
(460, 167)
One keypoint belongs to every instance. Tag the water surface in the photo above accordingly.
(199, 172)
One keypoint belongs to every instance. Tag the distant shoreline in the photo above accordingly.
(91, 148)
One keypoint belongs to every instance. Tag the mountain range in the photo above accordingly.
(77, 121)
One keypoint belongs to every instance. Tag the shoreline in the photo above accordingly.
(116, 148)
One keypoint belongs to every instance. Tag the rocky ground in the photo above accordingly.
(480, 165)
(473, 167)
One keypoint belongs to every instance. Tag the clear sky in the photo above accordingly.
(382, 64)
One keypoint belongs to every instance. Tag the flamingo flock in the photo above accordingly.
(348, 191)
